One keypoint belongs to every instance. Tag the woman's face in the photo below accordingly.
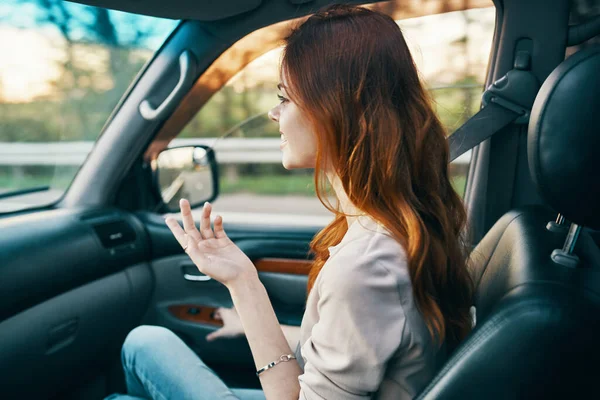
(298, 141)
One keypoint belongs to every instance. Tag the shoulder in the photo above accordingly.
(369, 266)
(372, 260)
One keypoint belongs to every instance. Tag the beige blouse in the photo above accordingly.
(361, 335)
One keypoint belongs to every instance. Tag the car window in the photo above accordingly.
(451, 51)
(63, 70)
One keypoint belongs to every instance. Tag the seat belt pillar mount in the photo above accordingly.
(516, 90)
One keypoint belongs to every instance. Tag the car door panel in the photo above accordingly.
(185, 306)
(286, 291)
(288, 295)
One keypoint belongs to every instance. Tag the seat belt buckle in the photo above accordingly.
(515, 91)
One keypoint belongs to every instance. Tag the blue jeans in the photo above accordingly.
(160, 366)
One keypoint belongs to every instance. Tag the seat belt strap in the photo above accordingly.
(489, 120)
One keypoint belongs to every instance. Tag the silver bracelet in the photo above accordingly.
(285, 357)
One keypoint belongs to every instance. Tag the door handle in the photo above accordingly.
(196, 278)
(191, 273)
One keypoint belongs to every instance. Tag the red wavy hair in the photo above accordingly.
(350, 71)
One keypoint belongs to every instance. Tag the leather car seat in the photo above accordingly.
(537, 294)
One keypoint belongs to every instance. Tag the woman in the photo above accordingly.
(389, 291)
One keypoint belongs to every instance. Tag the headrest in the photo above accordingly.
(564, 138)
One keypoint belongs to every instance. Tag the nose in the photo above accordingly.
(274, 114)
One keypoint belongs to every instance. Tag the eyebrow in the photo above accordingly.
(280, 85)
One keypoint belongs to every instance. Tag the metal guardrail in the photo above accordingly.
(228, 151)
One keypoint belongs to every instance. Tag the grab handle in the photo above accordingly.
(185, 76)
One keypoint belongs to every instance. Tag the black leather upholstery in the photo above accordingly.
(538, 322)
(564, 138)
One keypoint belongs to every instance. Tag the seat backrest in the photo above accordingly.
(538, 299)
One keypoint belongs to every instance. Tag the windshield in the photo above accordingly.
(63, 70)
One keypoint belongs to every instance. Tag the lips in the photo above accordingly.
(283, 141)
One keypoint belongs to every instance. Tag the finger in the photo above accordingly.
(219, 231)
(179, 233)
(217, 314)
(215, 335)
(188, 221)
(205, 229)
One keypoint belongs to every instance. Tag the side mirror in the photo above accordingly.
(188, 172)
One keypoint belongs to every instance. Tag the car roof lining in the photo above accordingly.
(207, 10)
(215, 10)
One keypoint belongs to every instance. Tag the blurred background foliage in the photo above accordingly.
(88, 56)
(97, 53)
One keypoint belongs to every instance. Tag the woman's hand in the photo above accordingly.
(213, 253)
(232, 325)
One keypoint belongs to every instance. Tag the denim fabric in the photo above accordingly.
(160, 366)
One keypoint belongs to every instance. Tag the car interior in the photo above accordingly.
(77, 274)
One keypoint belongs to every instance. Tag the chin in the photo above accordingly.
(288, 165)
(292, 164)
